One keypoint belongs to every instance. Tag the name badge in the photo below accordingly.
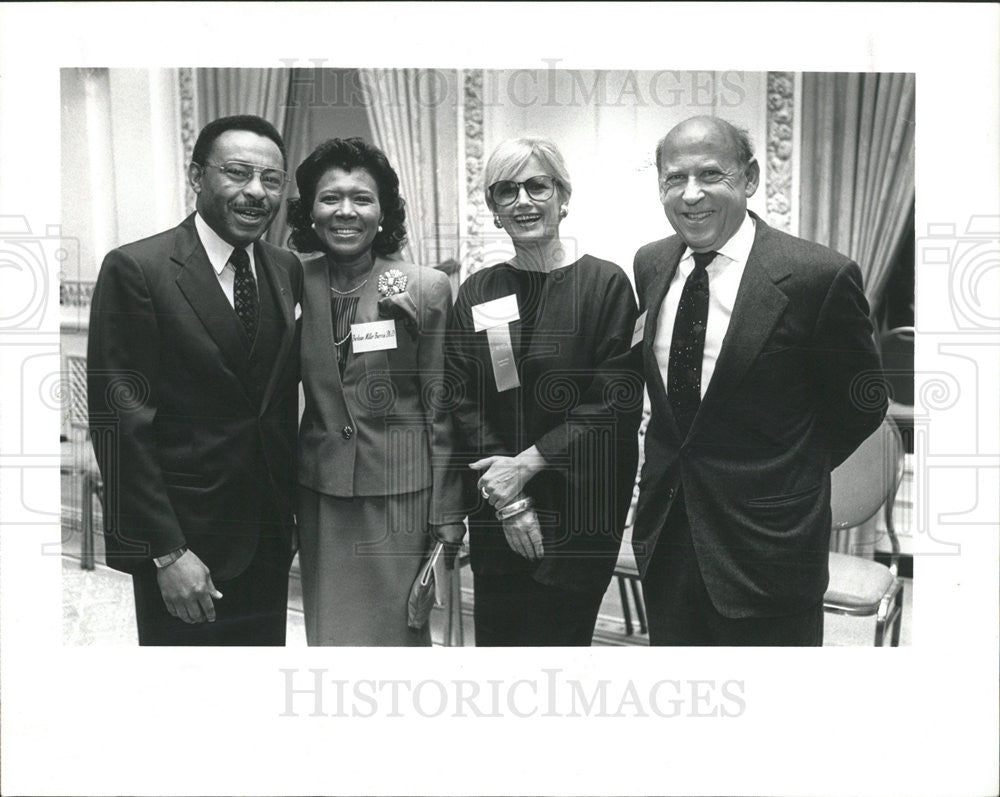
(495, 313)
(640, 325)
(373, 336)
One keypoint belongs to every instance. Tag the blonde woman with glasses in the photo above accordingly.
(551, 397)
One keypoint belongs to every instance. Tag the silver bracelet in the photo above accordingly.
(516, 508)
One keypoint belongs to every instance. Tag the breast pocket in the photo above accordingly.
(776, 393)
(178, 479)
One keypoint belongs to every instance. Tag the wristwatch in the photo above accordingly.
(169, 558)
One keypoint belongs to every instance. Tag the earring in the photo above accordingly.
(563, 212)
(380, 228)
(496, 221)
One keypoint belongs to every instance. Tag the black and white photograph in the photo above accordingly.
(605, 327)
(725, 539)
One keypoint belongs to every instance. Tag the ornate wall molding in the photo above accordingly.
(780, 145)
(189, 124)
(476, 210)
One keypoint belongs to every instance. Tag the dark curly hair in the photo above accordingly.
(347, 154)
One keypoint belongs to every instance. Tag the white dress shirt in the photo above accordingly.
(724, 275)
(219, 253)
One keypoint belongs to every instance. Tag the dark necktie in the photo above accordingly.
(244, 292)
(687, 347)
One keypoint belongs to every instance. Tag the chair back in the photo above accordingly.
(897, 363)
(76, 391)
(867, 479)
(75, 412)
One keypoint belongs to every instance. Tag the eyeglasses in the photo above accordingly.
(242, 173)
(539, 188)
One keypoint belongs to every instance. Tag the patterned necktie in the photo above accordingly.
(687, 347)
(245, 292)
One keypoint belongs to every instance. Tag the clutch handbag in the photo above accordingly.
(421, 601)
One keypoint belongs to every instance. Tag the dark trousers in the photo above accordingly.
(252, 610)
(516, 610)
(680, 611)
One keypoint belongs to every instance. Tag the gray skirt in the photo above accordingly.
(358, 558)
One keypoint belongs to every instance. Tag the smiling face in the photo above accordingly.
(346, 212)
(240, 214)
(528, 219)
(703, 186)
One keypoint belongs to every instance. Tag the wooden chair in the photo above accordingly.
(863, 484)
(627, 573)
(454, 629)
(85, 478)
(626, 570)
(896, 347)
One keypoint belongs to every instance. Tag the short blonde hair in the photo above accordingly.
(510, 156)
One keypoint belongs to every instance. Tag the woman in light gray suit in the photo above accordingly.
(376, 433)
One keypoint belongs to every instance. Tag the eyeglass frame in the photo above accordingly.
(255, 170)
(519, 186)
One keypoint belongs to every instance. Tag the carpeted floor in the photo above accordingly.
(98, 610)
(98, 604)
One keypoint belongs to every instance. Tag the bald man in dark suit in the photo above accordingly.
(760, 365)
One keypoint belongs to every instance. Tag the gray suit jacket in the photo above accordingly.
(385, 427)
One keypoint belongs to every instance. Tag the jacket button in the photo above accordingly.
(347, 432)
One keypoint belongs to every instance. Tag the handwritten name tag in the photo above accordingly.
(492, 314)
(640, 325)
(373, 336)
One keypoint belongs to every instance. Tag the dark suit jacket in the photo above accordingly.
(579, 402)
(384, 427)
(194, 438)
(795, 390)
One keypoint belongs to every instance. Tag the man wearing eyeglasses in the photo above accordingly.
(763, 376)
(193, 399)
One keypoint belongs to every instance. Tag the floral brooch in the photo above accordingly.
(395, 301)
(391, 282)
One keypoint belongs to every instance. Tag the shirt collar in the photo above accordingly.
(216, 248)
(736, 249)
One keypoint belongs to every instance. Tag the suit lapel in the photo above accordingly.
(662, 276)
(282, 289)
(199, 284)
(759, 304)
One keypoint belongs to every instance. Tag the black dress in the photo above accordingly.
(579, 403)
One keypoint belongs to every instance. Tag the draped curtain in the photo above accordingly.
(413, 117)
(857, 167)
(230, 91)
